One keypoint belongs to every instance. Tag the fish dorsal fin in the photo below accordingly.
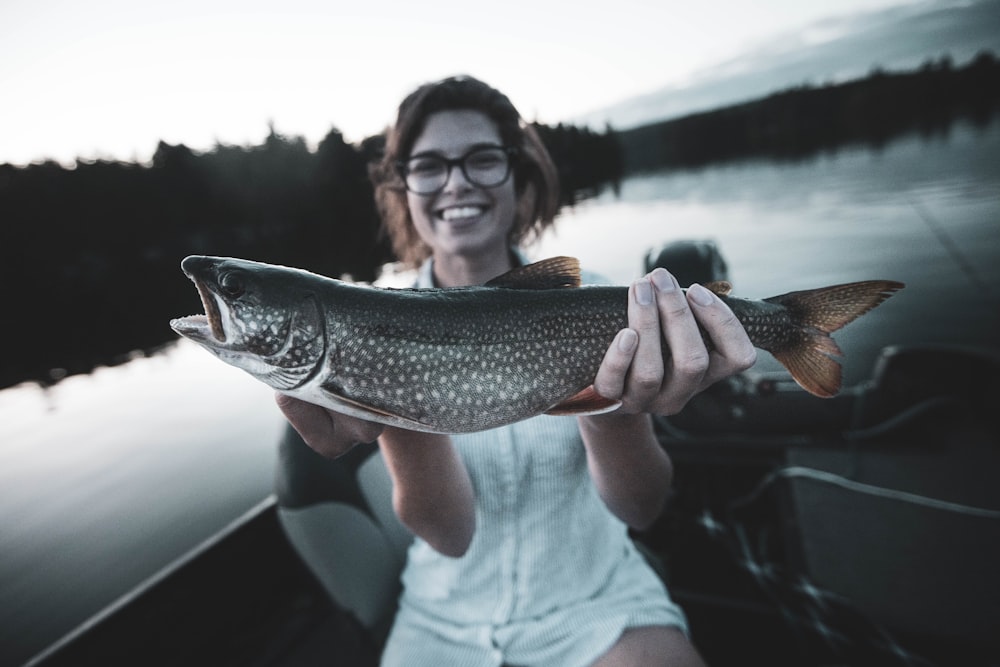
(552, 273)
(720, 287)
(587, 402)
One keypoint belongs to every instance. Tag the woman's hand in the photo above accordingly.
(634, 369)
(327, 432)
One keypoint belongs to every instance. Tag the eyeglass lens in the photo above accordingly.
(486, 167)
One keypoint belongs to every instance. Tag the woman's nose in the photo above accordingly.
(456, 180)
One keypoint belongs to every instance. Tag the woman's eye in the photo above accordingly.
(424, 166)
(484, 161)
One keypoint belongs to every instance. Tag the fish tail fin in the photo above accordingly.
(818, 313)
(812, 364)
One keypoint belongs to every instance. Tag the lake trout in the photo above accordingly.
(467, 359)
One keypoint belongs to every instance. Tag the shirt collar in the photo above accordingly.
(425, 275)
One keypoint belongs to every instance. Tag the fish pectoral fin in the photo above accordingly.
(364, 411)
(552, 273)
(587, 402)
(720, 287)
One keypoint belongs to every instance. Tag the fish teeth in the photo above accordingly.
(460, 212)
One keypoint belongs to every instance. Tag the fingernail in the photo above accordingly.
(627, 340)
(643, 292)
(663, 280)
(700, 295)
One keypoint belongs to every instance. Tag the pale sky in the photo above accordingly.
(110, 78)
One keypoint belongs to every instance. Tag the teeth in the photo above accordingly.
(460, 212)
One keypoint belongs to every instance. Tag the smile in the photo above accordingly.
(459, 213)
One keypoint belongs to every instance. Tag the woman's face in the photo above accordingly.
(463, 218)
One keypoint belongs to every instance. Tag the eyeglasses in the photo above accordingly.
(485, 166)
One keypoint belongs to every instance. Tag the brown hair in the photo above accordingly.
(535, 180)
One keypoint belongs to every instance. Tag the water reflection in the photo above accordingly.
(107, 477)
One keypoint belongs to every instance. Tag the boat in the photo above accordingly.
(858, 530)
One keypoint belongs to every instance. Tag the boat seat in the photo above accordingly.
(909, 379)
(905, 521)
(338, 515)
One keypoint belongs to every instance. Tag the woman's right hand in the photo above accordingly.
(327, 432)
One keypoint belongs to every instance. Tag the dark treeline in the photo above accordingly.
(586, 161)
(90, 255)
(803, 121)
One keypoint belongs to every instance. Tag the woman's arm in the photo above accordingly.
(631, 471)
(432, 491)
(629, 468)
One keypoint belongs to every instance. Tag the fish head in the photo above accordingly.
(263, 319)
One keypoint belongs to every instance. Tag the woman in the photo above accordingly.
(522, 554)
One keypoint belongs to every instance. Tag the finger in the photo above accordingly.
(310, 421)
(316, 426)
(645, 377)
(359, 430)
(610, 379)
(689, 358)
(733, 352)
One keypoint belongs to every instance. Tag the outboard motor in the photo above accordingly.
(691, 261)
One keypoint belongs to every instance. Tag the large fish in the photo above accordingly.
(467, 359)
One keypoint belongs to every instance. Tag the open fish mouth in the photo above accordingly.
(208, 326)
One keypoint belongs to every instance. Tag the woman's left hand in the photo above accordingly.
(634, 369)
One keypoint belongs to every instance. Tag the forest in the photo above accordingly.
(89, 254)
(803, 121)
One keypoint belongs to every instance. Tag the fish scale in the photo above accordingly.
(467, 359)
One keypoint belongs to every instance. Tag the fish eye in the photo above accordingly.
(232, 284)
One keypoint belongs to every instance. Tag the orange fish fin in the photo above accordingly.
(587, 402)
(552, 273)
(720, 287)
(817, 313)
(830, 308)
(812, 365)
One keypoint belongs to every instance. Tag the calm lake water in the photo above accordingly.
(108, 477)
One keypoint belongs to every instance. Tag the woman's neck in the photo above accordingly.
(462, 270)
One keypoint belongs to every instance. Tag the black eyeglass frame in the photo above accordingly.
(403, 169)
